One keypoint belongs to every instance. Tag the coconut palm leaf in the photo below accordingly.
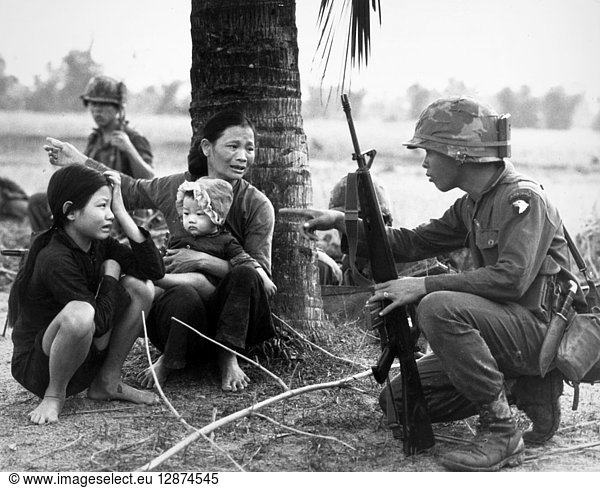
(354, 17)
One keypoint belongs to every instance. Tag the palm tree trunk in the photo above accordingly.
(245, 57)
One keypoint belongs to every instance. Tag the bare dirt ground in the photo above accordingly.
(336, 429)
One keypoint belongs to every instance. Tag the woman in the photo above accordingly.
(238, 314)
(74, 317)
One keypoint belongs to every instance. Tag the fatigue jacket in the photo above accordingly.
(250, 220)
(114, 158)
(513, 231)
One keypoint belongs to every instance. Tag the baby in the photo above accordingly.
(203, 205)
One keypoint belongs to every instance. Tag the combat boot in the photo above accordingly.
(539, 398)
(498, 441)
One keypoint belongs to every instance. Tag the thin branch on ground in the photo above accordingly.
(319, 348)
(157, 384)
(253, 456)
(172, 408)
(265, 370)
(58, 449)
(213, 418)
(7, 271)
(100, 410)
(579, 447)
(301, 432)
(581, 425)
(120, 448)
(248, 411)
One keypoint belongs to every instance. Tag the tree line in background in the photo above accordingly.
(60, 88)
(554, 110)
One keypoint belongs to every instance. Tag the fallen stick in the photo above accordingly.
(99, 410)
(581, 425)
(324, 351)
(265, 370)
(7, 271)
(579, 447)
(66, 446)
(302, 432)
(170, 405)
(245, 412)
(119, 448)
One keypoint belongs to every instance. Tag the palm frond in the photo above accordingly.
(354, 17)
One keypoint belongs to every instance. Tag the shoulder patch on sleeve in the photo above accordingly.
(520, 201)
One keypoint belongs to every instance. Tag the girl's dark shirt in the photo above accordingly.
(63, 272)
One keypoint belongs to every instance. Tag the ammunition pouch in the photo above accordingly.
(542, 296)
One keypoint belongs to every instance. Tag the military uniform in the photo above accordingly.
(100, 89)
(486, 326)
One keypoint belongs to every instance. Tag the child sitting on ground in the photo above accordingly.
(203, 205)
(76, 303)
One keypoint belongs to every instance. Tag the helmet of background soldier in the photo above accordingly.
(337, 199)
(104, 89)
(463, 129)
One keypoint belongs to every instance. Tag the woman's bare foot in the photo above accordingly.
(48, 410)
(232, 376)
(120, 391)
(162, 372)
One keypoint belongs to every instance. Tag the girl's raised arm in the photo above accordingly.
(129, 227)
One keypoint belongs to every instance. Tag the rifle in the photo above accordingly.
(394, 329)
(118, 165)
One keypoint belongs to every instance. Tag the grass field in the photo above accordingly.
(567, 163)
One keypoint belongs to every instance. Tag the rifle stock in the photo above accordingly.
(395, 332)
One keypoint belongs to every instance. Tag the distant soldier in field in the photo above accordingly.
(113, 142)
(13, 199)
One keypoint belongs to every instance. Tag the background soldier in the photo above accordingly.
(113, 142)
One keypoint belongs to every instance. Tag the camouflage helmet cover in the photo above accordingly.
(337, 198)
(104, 89)
(461, 128)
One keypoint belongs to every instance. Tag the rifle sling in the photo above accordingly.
(351, 221)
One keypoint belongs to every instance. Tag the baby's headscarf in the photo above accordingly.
(214, 197)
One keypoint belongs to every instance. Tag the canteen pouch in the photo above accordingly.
(579, 350)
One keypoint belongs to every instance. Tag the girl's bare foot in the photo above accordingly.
(232, 376)
(120, 391)
(48, 410)
(162, 372)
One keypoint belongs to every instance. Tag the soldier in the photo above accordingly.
(13, 199)
(113, 142)
(485, 326)
(337, 201)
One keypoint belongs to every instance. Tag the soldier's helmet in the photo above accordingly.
(337, 199)
(104, 89)
(463, 129)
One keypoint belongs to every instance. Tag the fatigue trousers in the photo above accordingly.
(237, 315)
(477, 344)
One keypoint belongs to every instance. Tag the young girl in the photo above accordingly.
(75, 316)
(203, 205)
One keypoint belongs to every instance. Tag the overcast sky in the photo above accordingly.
(488, 44)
